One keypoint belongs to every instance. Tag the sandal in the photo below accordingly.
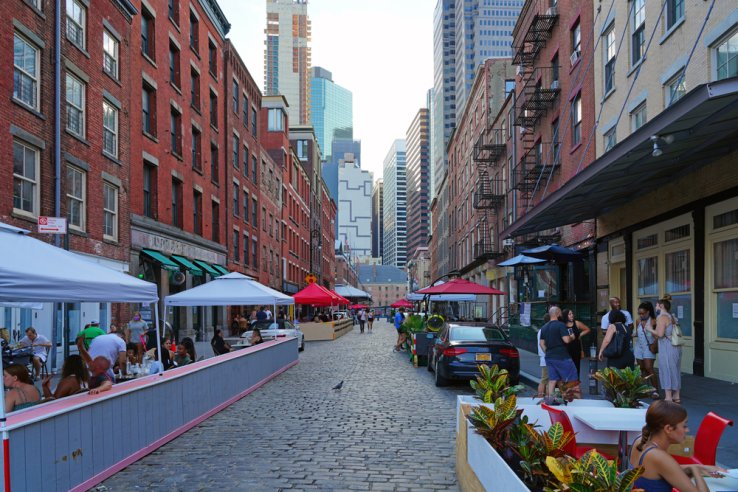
(655, 395)
(677, 401)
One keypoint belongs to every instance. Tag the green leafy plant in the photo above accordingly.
(532, 447)
(624, 387)
(412, 324)
(493, 383)
(591, 473)
(493, 423)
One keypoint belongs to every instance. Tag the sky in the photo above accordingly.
(380, 50)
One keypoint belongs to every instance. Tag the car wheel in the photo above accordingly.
(439, 380)
(302, 346)
(430, 361)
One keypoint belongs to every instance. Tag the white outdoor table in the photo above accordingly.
(725, 483)
(621, 420)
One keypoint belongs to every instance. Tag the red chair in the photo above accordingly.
(572, 449)
(706, 441)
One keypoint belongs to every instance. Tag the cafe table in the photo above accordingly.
(622, 420)
(728, 482)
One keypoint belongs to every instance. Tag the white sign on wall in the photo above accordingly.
(52, 225)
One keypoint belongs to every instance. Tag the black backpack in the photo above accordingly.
(619, 343)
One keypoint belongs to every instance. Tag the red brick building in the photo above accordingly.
(178, 159)
(328, 239)
(92, 140)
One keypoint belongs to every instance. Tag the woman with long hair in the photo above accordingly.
(190, 347)
(670, 356)
(21, 391)
(578, 329)
(617, 327)
(666, 424)
(73, 378)
(643, 340)
(220, 346)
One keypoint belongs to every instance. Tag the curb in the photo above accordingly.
(530, 379)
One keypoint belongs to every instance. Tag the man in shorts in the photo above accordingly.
(399, 319)
(554, 337)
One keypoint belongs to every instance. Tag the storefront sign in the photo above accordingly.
(169, 246)
(52, 225)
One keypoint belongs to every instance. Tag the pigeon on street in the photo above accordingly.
(338, 386)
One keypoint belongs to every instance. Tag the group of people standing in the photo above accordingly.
(625, 344)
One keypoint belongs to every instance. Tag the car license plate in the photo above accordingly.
(484, 357)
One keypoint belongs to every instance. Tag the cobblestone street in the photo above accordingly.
(388, 428)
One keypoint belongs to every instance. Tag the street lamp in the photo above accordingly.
(314, 234)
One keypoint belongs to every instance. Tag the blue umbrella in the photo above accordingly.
(521, 260)
(554, 252)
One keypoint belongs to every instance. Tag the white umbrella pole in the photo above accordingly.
(158, 336)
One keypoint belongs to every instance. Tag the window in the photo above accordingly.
(214, 173)
(26, 62)
(149, 190)
(253, 121)
(263, 219)
(245, 111)
(195, 88)
(576, 42)
(674, 89)
(110, 129)
(236, 96)
(610, 139)
(194, 32)
(254, 252)
(302, 150)
(148, 24)
(555, 141)
(174, 65)
(254, 212)
(638, 31)
(674, 12)
(245, 206)
(76, 14)
(76, 198)
(576, 120)
(110, 212)
(75, 105)
(148, 105)
(236, 200)
(509, 86)
(254, 169)
(176, 203)
(245, 161)
(213, 109)
(110, 54)
(727, 57)
(213, 58)
(246, 249)
(197, 212)
(25, 178)
(173, 7)
(236, 150)
(554, 72)
(196, 149)
(610, 49)
(275, 121)
(236, 247)
(175, 131)
(215, 221)
(638, 117)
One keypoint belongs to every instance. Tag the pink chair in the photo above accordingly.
(572, 449)
(706, 441)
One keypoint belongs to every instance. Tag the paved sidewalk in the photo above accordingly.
(699, 395)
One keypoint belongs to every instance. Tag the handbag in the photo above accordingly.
(653, 347)
(617, 345)
(677, 338)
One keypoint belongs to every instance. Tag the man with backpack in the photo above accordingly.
(554, 337)
(616, 345)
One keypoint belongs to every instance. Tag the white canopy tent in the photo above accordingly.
(348, 291)
(32, 271)
(234, 289)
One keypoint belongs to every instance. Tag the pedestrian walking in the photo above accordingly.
(620, 354)
(136, 329)
(370, 319)
(399, 319)
(543, 384)
(362, 320)
(670, 355)
(646, 343)
(578, 329)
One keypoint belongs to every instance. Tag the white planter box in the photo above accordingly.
(489, 467)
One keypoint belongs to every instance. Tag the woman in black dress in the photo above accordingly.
(578, 329)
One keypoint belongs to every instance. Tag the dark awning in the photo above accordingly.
(703, 125)
(193, 269)
(161, 259)
(205, 266)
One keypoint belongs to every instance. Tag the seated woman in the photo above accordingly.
(182, 358)
(666, 424)
(256, 337)
(21, 391)
(190, 347)
(74, 376)
(220, 346)
(131, 353)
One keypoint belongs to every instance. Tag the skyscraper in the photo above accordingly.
(395, 206)
(331, 110)
(443, 102)
(355, 208)
(342, 149)
(287, 56)
(483, 30)
(378, 219)
(418, 177)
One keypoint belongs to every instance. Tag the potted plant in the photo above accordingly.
(532, 447)
(624, 387)
(493, 423)
(591, 473)
(493, 383)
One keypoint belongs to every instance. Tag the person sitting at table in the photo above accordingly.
(256, 337)
(666, 424)
(324, 317)
(190, 347)
(182, 358)
(21, 391)
(74, 376)
(220, 346)
(156, 366)
(40, 346)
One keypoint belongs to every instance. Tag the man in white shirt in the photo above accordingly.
(615, 305)
(268, 313)
(113, 348)
(40, 346)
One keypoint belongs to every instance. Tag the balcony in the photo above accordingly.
(536, 167)
(540, 93)
(534, 38)
(490, 193)
(486, 250)
(490, 146)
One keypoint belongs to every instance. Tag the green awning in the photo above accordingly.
(221, 268)
(161, 259)
(194, 270)
(213, 272)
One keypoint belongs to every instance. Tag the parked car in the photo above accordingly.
(459, 349)
(341, 315)
(271, 329)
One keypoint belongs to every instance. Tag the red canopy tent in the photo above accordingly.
(339, 298)
(315, 295)
(460, 286)
(402, 303)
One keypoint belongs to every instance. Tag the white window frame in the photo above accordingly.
(21, 72)
(636, 26)
(81, 200)
(672, 87)
(670, 4)
(72, 106)
(110, 212)
(275, 124)
(35, 183)
(634, 115)
(731, 36)
(610, 139)
(609, 50)
(107, 130)
(576, 120)
(77, 16)
(111, 53)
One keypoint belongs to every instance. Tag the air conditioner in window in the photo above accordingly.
(552, 11)
(554, 85)
(574, 57)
